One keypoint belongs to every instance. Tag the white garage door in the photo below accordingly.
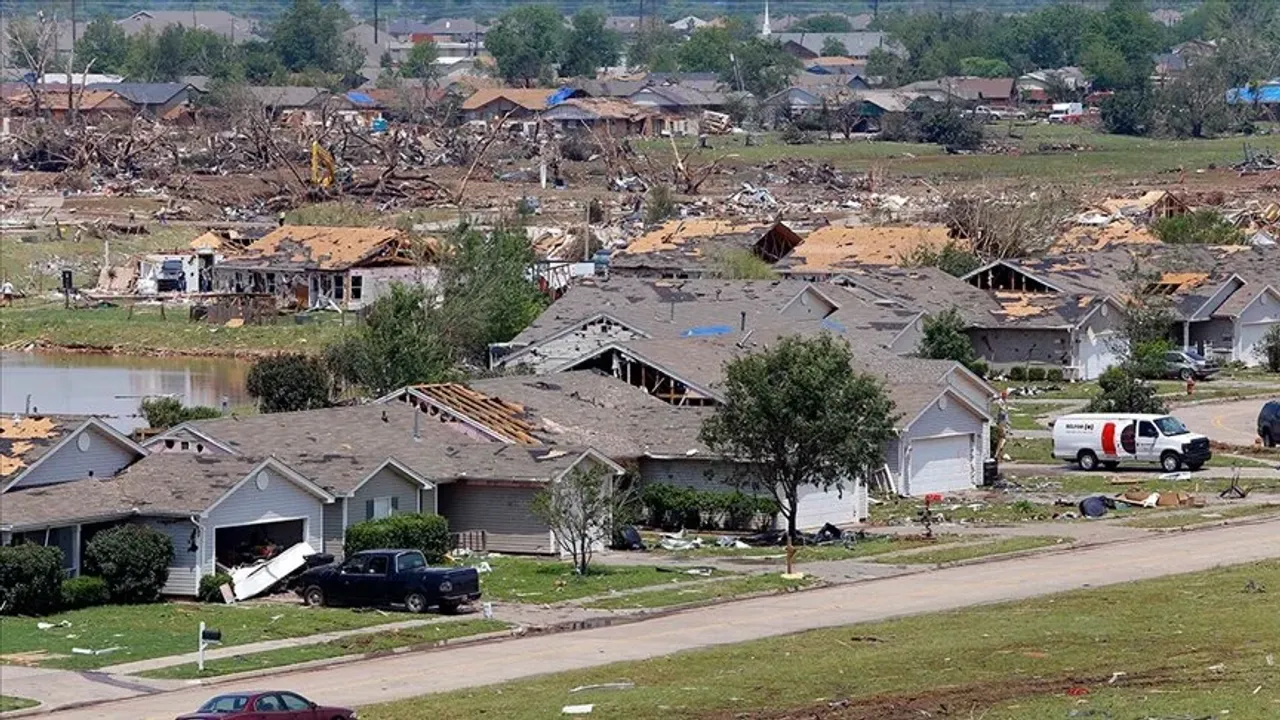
(1097, 353)
(1251, 335)
(817, 508)
(941, 464)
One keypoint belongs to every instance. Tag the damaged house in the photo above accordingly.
(700, 248)
(317, 267)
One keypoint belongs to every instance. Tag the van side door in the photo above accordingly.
(1148, 438)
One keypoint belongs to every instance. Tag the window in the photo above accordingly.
(225, 703)
(271, 282)
(357, 287)
(355, 565)
(382, 507)
(1171, 426)
(339, 288)
(83, 442)
(410, 561)
(1147, 430)
(377, 565)
(294, 702)
(268, 703)
(186, 445)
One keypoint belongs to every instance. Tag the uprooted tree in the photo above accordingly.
(580, 508)
(798, 415)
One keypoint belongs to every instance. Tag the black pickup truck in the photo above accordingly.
(389, 577)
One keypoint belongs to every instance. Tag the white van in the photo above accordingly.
(1110, 439)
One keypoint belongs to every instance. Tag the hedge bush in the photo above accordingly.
(133, 559)
(30, 579)
(980, 368)
(1018, 373)
(84, 591)
(672, 506)
(211, 587)
(428, 533)
(1055, 375)
(1036, 374)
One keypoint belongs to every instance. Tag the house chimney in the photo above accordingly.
(744, 321)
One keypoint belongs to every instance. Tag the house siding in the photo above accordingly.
(808, 305)
(281, 500)
(377, 281)
(695, 474)
(955, 418)
(104, 458)
(184, 569)
(503, 512)
(1013, 346)
(571, 346)
(334, 532)
(172, 442)
(428, 500)
(388, 482)
(1262, 314)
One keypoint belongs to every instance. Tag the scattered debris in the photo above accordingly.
(604, 686)
(577, 709)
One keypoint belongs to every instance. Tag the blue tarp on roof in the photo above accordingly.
(707, 331)
(360, 98)
(560, 96)
(1268, 94)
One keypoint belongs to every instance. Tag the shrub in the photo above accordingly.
(289, 382)
(1124, 392)
(1271, 349)
(1054, 375)
(659, 205)
(166, 412)
(980, 368)
(30, 579)
(84, 591)
(428, 533)
(672, 506)
(1018, 373)
(1036, 374)
(211, 587)
(1202, 227)
(133, 560)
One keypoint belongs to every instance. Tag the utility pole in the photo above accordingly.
(375, 22)
(71, 63)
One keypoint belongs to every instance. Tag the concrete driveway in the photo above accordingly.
(1233, 422)
(409, 675)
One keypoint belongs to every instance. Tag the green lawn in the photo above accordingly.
(353, 645)
(33, 260)
(8, 702)
(546, 581)
(148, 631)
(1012, 661)
(701, 592)
(1005, 510)
(1030, 415)
(1176, 520)
(957, 553)
(145, 331)
(1034, 451)
(1052, 390)
(871, 545)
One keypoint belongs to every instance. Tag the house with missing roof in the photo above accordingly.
(671, 339)
(223, 490)
(514, 104)
(698, 247)
(318, 267)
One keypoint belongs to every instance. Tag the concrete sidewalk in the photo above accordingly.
(403, 676)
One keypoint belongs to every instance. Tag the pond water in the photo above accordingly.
(114, 385)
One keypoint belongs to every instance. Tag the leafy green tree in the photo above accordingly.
(708, 49)
(763, 67)
(952, 258)
(169, 64)
(1107, 67)
(526, 43)
(832, 47)
(655, 48)
(289, 382)
(1195, 104)
(105, 44)
(797, 414)
(580, 509)
(944, 338)
(894, 69)
(166, 412)
(1202, 227)
(400, 343)
(261, 64)
(308, 35)
(421, 63)
(1271, 349)
(985, 67)
(142, 63)
(205, 52)
(590, 45)
(825, 23)
(1127, 112)
(945, 124)
(1123, 391)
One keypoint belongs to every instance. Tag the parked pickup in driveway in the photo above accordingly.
(389, 577)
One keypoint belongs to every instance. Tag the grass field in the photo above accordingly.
(1176, 520)
(1010, 510)
(354, 645)
(701, 592)
(33, 260)
(972, 551)
(871, 545)
(8, 702)
(1035, 451)
(1013, 661)
(544, 581)
(145, 331)
(147, 631)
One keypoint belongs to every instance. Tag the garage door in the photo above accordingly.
(818, 507)
(1097, 353)
(941, 464)
(1251, 335)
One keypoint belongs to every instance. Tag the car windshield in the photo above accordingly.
(1171, 426)
(225, 704)
(1195, 356)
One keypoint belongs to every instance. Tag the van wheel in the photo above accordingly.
(1087, 460)
(1111, 464)
(1170, 462)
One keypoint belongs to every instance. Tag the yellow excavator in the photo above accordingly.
(323, 170)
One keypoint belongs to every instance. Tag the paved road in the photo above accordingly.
(1233, 422)
(402, 676)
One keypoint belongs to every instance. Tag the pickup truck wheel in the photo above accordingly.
(314, 596)
(1170, 461)
(416, 602)
(1267, 440)
(1087, 460)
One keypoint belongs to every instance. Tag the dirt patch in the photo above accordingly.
(945, 702)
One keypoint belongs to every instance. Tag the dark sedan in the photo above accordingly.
(267, 705)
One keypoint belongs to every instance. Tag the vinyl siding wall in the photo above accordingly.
(1259, 316)
(184, 571)
(572, 346)
(281, 500)
(696, 474)
(955, 418)
(104, 457)
(172, 442)
(334, 531)
(503, 512)
(388, 482)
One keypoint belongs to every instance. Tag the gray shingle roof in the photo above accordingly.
(286, 96)
(143, 93)
(857, 44)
